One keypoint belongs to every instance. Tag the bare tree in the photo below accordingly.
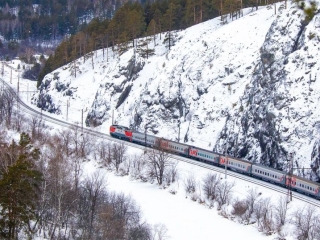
(142, 232)
(160, 232)
(125, 166)
(224, 191)
(316, 227)
(94, 189)
(8, 156)
(61, 197)
(7, 102)
(190, 184)
(37, 126)
(210, 183)
(251, 199)
(158, 161)
(303, 220)
(75, 138)
(118, 216)
(240, 207)
(138, 164)
(19, 121)
(281, 212)
(85, 145)
(119, 151)
(29, 52)
(99, 151)
(263, 210)
(172, 173)
(65, 137)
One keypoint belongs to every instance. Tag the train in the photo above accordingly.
(255, 170)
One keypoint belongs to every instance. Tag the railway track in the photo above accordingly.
(33, 112)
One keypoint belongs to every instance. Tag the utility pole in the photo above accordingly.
(225, 167)
(41, 100)
(225, 161)
(82, 119)
(179, 130)
(67, 109)
(18, 83)
(112, 116)
(18, 93)
(289, 180)
(145, 135)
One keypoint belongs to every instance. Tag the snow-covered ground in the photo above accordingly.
(183, 218)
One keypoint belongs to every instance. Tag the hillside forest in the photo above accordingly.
(134, 20)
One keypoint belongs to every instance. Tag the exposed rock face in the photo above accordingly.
(119, 85)
(45, 100)
(251, 93)
(279, 95)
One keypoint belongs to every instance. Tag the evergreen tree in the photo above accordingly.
(169, 21)
(19, 189)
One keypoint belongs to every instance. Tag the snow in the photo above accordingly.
(208, 47)
(184, 218)
(204, 50)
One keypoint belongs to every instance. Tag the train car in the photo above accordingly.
(118, 131)
(299, 184)
(303, 185)
(174, 147)
(204, 155)
(144, 139)
(268, 174)
(236, 164)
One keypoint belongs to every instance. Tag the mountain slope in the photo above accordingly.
(243, 88)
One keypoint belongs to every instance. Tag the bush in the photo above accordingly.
(33, 73)
(13, 46)
(190, 185)
(239, 208)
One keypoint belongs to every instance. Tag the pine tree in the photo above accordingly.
(19, 189)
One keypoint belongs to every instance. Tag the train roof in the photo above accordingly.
(271, 169)
(238, 159)
(306, 180)
(120, 126)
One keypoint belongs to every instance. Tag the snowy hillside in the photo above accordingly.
(248, 87)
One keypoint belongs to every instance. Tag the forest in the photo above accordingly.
(47, 19)
(134, 20)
